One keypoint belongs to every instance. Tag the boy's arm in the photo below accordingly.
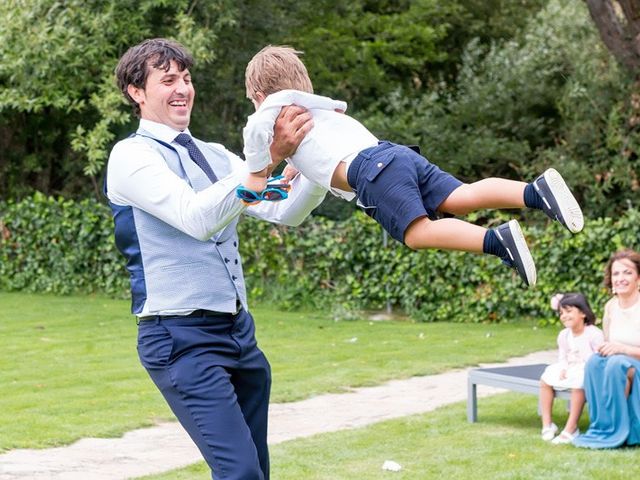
(304, 196)
(258, 132)
(258, 135)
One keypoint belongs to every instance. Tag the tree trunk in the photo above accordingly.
(618, 22)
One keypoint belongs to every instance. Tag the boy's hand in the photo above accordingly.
(256, 182)
(291, 126)
(289, 173)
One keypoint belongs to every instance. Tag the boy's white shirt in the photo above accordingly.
(335, 137)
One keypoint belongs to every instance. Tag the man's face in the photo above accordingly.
(167, 96)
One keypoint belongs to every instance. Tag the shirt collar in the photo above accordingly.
(160, 130)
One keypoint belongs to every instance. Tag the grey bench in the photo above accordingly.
(519, 378)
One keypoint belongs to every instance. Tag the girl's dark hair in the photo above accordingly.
(133, 67)
(579, 301)
(629, 254)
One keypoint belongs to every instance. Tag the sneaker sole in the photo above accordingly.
(568, 205)
(523, 251)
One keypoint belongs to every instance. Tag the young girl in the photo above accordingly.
(576, 343)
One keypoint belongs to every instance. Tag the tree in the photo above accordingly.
(59, 108)
(618, 22)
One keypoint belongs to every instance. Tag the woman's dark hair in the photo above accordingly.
(133, 67)
(628, 254)
(579, 301)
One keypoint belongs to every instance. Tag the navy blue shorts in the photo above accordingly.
(396, 185)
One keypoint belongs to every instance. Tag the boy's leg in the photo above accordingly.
(445, 234)
(548, 193)
(506, 241)
(490, 193)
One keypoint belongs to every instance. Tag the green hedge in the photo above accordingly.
(56, 245)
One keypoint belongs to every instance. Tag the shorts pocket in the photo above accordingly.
(378, 164)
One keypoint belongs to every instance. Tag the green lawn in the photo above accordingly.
(69, 368)
(505, 444)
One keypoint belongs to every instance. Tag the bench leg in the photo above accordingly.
(472, 402)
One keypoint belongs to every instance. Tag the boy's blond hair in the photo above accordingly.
(276, 68)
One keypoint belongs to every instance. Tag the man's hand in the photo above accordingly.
(291, 126)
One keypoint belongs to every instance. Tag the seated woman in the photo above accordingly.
(611, 377)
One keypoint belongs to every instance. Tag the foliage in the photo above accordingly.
(60, 111)
(58, 245)
(61, 246)
(550, 96)
(59, 108)
(346, 263)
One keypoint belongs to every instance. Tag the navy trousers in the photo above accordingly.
(217, 383)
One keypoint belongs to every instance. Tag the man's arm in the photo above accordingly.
(138, 176)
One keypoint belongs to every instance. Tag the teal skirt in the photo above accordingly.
(615, 419)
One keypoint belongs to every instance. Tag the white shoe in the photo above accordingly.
(549, 432)
(565, 437)
(559, 202)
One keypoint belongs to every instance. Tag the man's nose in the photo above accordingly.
(182, 86)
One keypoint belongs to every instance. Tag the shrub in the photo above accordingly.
(60, 246)
(56, 245)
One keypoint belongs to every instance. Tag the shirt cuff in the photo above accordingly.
(258, 162)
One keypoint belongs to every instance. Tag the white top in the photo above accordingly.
(577, 349)
(573, 353)
(623, 324)
(335, 137)
(138, 176)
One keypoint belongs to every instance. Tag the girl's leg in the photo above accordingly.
(486, 193)
(575, 410)
(546, 403)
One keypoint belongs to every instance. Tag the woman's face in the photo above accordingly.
(624, 277)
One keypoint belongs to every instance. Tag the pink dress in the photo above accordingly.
(573, 353)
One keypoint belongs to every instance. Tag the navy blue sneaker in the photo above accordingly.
(559, 202)
(518, 254)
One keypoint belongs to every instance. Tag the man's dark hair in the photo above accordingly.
(133, 67)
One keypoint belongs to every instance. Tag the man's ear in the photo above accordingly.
(136, 93)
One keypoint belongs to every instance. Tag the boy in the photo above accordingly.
(396, 186)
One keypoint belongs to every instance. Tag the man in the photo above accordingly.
(175, 214)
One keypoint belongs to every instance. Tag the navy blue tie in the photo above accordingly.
(196, 155)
